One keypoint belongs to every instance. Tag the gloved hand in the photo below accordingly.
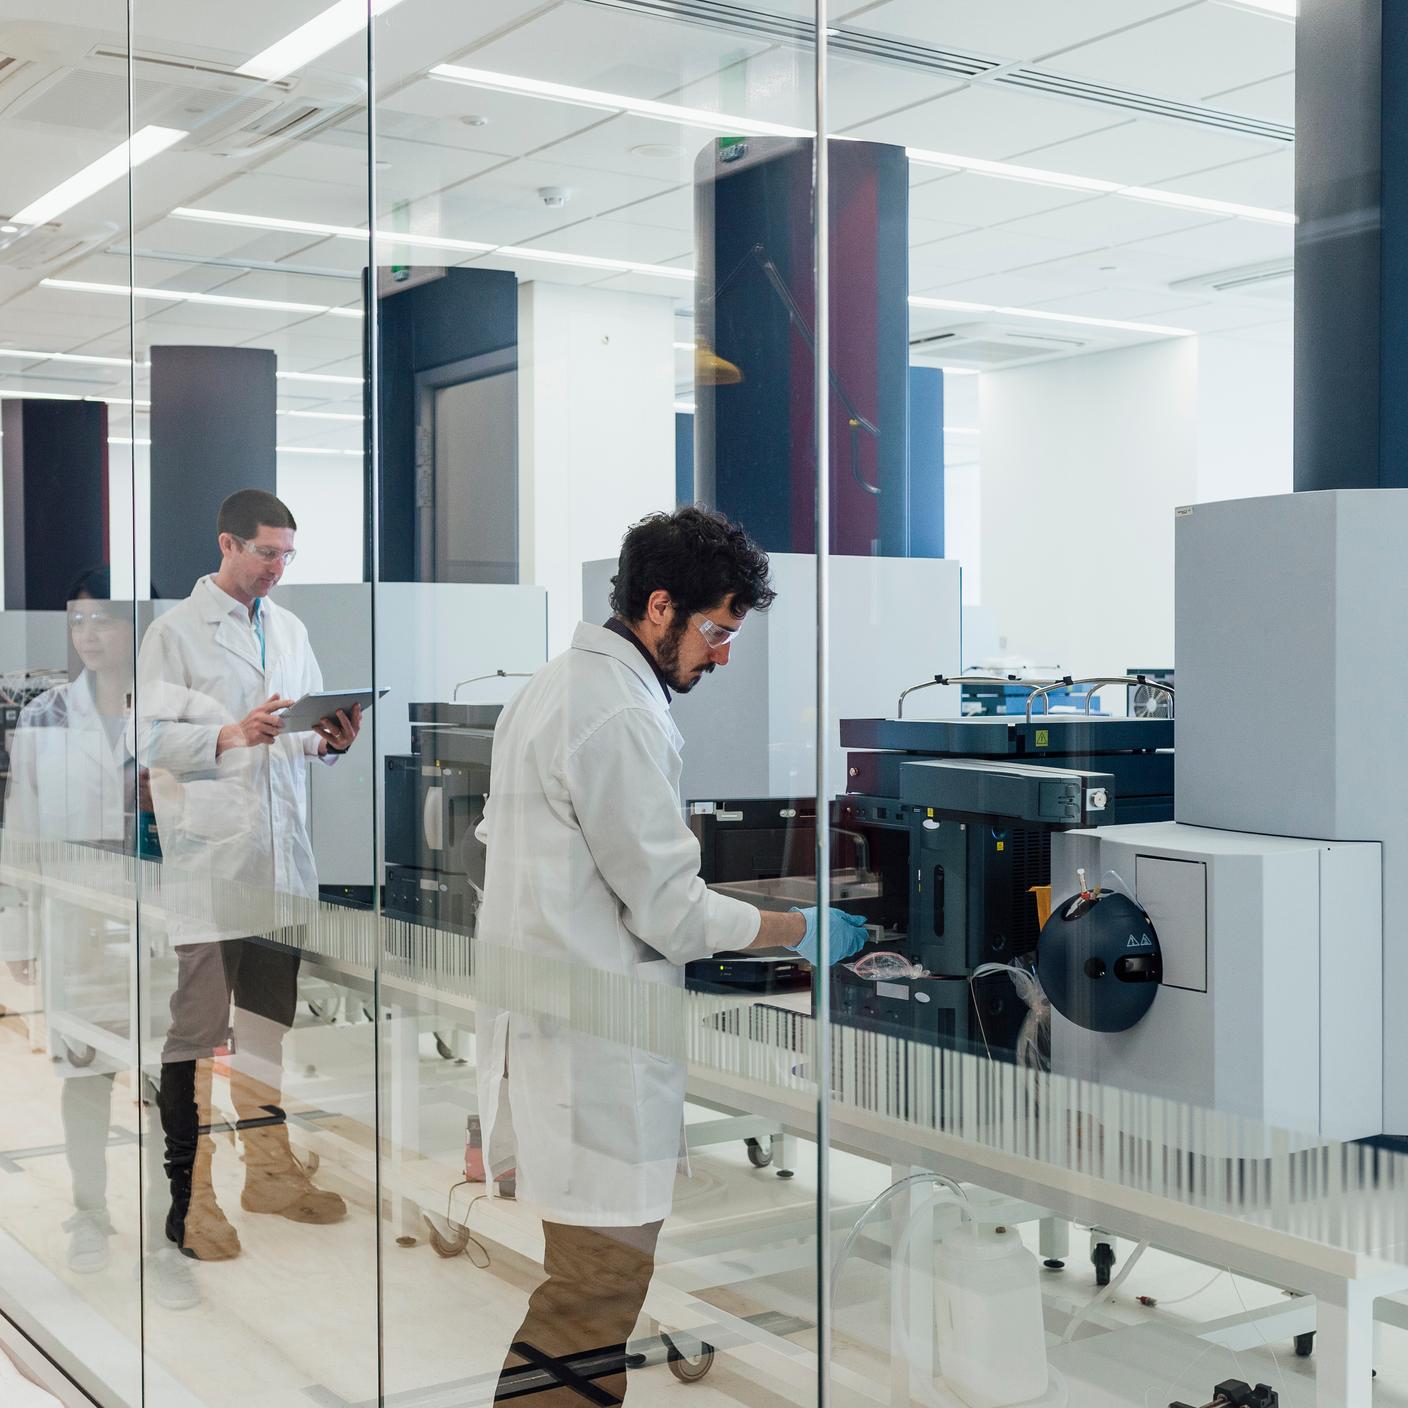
(847, 935)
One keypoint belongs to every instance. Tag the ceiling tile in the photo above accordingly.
(1110, 220)
(984, 121)
(1144, 151)
(1273, 99)
(1189, 54)
(611, 50)
(968, 199)
(1010, 290)
(1224, 245)
(991, 251)
(514, 123)
(1139, 305)
(1268, 181)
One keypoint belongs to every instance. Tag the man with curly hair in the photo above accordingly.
(590, 863)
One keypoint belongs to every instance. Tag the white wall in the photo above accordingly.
(1245, 392)
(1083, 462)
(324, 493)
(596, 432)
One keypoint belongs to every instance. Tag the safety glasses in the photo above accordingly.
(269, 555)
(715, 635)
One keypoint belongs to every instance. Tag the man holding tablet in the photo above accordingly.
(229, 784)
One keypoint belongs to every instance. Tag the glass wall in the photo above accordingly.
(590, 703)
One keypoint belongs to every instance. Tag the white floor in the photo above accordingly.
(296, 1319)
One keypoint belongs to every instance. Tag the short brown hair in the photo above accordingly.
(247, 510)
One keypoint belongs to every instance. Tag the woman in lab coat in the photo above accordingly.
(591, 866)
(73, 779)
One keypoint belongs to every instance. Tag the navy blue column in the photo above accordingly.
(755, 454)
(1351, 330)
(926, 462)
(56, 498)
(466, 313)
(213, 432)
(684, 458)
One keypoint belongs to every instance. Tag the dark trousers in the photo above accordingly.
(596, 1282)
(260, 978)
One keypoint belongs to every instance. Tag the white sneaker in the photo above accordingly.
(171, 1280)
(88, 1234)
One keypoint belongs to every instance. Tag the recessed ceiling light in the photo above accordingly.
(659, 151)
(728, 123)
(9, 229)
(395, 237)
(323, 32)
(475, 119)
(111, 166)
(1080, 319)
(224, 300)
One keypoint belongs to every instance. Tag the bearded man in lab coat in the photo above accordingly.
(590, 862)
(231, 799)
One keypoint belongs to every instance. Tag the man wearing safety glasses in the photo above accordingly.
(590, 863)
(230, 789)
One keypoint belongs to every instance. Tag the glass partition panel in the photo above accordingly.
(1087, 1114)
(247, 263)
(599, 1118)
(75, 805)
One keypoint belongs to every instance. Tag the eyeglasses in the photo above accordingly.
(715, 635)
(268, 555)
(76, 619)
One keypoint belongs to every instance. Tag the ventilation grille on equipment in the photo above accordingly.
(882, 48)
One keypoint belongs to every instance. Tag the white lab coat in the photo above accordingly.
(590, 861)
(244, 816)
(69, 781)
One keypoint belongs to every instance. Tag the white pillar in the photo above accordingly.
(596, 431)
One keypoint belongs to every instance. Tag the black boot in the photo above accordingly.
(195, 1222)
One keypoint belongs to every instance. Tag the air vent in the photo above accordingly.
(1145, 104)
(715, 14)
(989, 346)
(875, 47)
(1272, 279)
(42, 246)
(68, 85)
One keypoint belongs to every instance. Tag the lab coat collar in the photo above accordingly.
(599, 641)
(233, 627)
(216, 602)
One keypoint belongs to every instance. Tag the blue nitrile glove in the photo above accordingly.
(847, 933)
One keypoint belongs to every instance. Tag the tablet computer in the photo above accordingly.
(305, 712)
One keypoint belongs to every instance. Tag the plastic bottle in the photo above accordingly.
(473, 1150)
(991, 1340)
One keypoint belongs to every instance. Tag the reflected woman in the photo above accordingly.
(73, 779)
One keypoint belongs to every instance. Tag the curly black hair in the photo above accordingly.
(696, 555)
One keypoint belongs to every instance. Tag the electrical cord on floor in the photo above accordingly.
(1160, 1303)
(463, 1238)
(1106, 1293)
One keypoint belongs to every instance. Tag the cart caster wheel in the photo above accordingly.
(1305, 1345)
(1103, 1256)
(1054, 1265)
(80, 1056)
(786, 1173)
(685, 1369)
(758, 1156)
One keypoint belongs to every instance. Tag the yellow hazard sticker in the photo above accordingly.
(1043, 738)
(1002, 845)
